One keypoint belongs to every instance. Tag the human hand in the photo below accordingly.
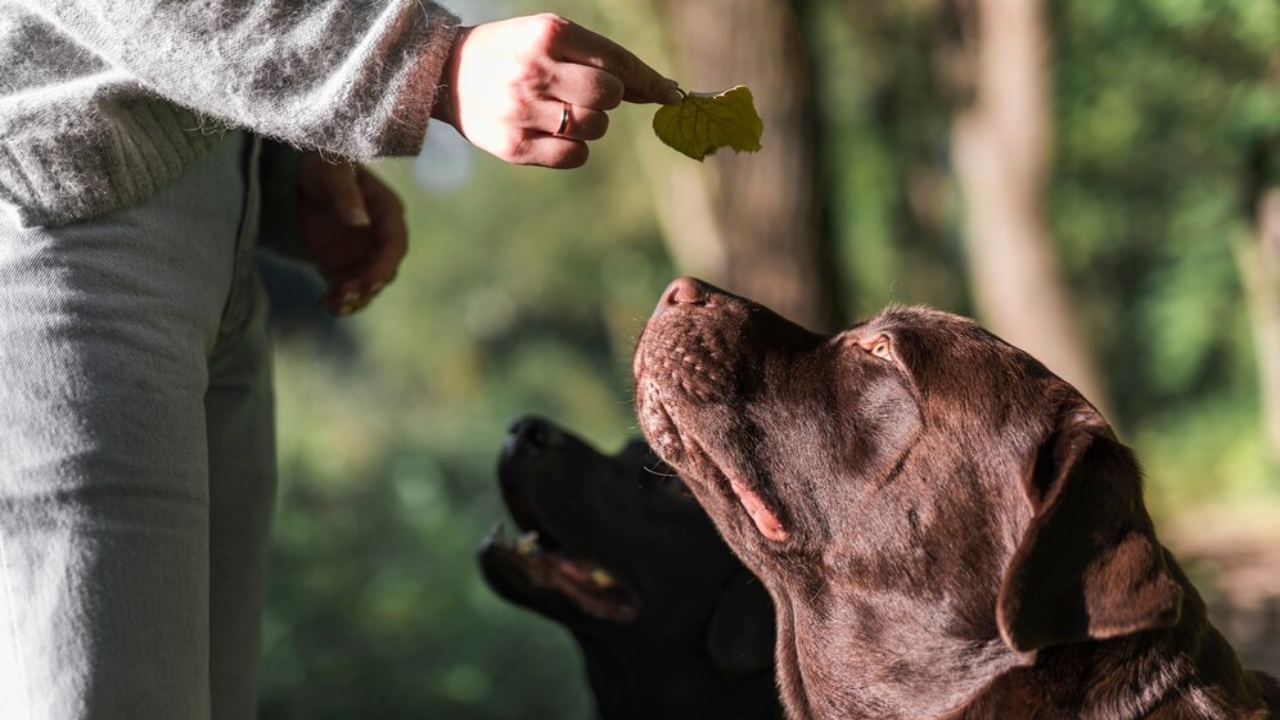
(533, 90)
(352, 226)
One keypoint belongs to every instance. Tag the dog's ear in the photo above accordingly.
(1089, 565)
(740, 637)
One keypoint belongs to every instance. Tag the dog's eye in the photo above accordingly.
(881, 349)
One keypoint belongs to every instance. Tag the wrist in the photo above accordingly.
(444, 106)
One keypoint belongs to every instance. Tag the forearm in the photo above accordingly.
(357, 79)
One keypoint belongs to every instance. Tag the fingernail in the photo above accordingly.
(358, 217)
(673, 94)
(354, 306)
(377, 287)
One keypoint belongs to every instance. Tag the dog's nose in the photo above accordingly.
(682, 291)
(534, 433)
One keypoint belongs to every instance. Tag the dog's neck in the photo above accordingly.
(914, 673)
(1189, 668)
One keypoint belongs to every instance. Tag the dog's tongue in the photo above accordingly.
(766, 522)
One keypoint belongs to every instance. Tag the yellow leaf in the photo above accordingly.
(702, 123)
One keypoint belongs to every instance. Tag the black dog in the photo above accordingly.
(671, 626)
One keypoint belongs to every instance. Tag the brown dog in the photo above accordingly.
(947, 529)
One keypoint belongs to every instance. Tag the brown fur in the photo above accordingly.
(947, 529)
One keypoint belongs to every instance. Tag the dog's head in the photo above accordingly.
(914, 462)
(616, 549)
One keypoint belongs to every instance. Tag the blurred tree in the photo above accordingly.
(1160, 106)
(1002, 149)
(768, 211)
(1258, 256)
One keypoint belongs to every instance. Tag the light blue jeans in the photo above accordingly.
(137, 460)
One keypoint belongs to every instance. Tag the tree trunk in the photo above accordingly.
(1001, 148)
(1260, 270)
(756, 224)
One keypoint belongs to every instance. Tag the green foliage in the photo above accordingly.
(1159, 107)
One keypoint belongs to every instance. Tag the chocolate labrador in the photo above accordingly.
(947, 529)
(670, 624)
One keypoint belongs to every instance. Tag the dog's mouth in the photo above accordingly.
(681, 448)
(656, 423)
(533, 566)
(761, 514)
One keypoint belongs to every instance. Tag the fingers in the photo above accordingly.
(339, 184)
(585, 86)
(539, 139)
(390, 229)
(550, 151)
(565, 120)
(353, 298)
(558, 152)
(510, 81)
(385, 245)
(642, 83)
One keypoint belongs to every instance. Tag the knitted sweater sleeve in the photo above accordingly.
(353, 77)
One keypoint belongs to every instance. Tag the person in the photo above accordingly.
(144, 147)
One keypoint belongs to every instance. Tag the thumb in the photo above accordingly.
(645, 85)
(344, 195)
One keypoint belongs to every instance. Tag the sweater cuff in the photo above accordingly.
(386, 106)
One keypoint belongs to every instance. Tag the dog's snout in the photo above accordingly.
(683, 291)
(534, 433)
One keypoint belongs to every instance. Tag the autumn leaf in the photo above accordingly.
(702, 123)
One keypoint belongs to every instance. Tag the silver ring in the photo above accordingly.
(564, 120)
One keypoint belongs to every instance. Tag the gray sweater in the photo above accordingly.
(102, 102)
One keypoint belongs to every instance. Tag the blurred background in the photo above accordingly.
(1097, 182)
